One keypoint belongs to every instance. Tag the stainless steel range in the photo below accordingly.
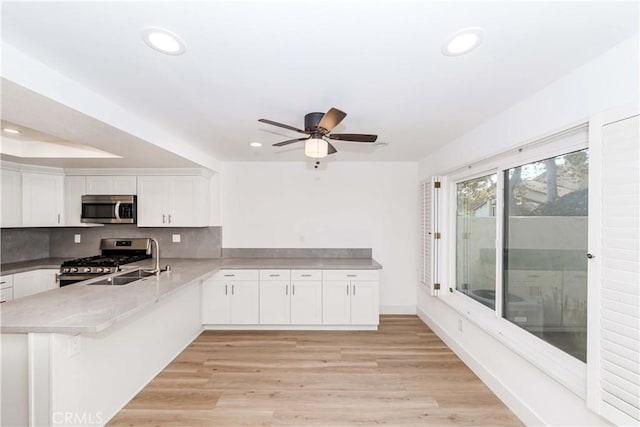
(114, 253)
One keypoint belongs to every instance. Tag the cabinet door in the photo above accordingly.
(49, 279)
(215, 302)
(6, 295)
(111, 184)
(245, 306)
(42, 199)
(11, 199)
(306, 302)
(151, 201)
(364, 303)
(275, 302)
(336, 305)
(182, 207)
(25, 284)
(74, 188)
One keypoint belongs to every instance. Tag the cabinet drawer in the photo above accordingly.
(236, 275)
(275, 275)
(6, 294)
(350, 275)
(6, 281)
(306, 274)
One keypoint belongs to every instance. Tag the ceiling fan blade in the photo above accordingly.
(290, 141)
(271, 122)
(332, 149)
(331, 119)
(355, 137)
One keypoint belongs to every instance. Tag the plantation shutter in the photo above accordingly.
(615, 379)
(429, 234)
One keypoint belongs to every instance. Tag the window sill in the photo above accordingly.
(561, 367)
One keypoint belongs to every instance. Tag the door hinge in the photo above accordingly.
(436, 184)
(436, 286)
(436, 235)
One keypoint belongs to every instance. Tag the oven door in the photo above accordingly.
(70, 279)
(104, 209)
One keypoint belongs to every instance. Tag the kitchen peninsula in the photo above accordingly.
(83, 351)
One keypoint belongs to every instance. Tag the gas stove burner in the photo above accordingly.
(115, 252)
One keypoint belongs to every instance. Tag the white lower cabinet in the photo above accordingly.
(34, 282)
(350, 297)
(291, 297)
(6, 288)
(231, 297)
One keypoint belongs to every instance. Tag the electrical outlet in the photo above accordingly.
(73, 346)
(175, 238)
(459, 325)
(77, 238)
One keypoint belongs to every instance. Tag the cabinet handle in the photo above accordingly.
(286, 289)
(226, 292)
(347, 289)
(58, 218)
(163, 218)
(306, 275)
(352, 275)
(169, 218)
(2, 283)
(274, 275)
(354, 289)
(3, 301)
(229, 275)
(293, 289)
(233, 289)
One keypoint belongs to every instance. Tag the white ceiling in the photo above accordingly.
(378, 61)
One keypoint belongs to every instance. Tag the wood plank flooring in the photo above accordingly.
(402, 374)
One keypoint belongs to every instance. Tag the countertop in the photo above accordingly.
(21, 267)
(81, 308)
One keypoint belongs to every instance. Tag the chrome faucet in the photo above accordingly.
(156, 270)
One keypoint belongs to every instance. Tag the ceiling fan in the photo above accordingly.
(317, 127)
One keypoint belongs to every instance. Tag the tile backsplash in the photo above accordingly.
(24, 244)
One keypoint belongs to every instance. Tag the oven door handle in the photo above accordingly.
(116, 210)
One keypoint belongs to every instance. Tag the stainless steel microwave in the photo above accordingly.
(108, 209)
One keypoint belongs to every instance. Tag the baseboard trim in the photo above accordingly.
(513, 402)
(290, 327)
(398, 309)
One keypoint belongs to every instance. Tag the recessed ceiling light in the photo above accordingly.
(10, 130)
(255, 144)
(463, 41)
(163, 41)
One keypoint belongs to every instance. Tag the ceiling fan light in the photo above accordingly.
(316, 148)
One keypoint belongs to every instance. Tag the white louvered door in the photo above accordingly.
(614, 371)
(429, 192)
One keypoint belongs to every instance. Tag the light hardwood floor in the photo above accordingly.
(403, 374)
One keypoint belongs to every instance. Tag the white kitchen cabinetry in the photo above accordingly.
(350, 297)
(74, 188)
(42, 200)
(6, 288)
(34, 282)
(231, 297)
(173, 201)
(306, 297)
(290, 297)
(11, 198)
(111, 184)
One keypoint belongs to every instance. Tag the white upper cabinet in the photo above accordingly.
(173, 201)
(42, 200)
(11, 198)
(74, 188)
(111, 184)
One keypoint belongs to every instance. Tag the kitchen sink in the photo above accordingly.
(123, 279)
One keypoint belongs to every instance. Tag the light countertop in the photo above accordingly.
(81, 308)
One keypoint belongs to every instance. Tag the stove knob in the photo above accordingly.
(73, 270)
(65, 270)
(99, 270)
(87, 270)
(106, 270)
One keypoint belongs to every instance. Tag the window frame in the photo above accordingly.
(564, 368)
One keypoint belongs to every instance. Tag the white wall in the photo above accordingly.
(341, 205)
(606, 82)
